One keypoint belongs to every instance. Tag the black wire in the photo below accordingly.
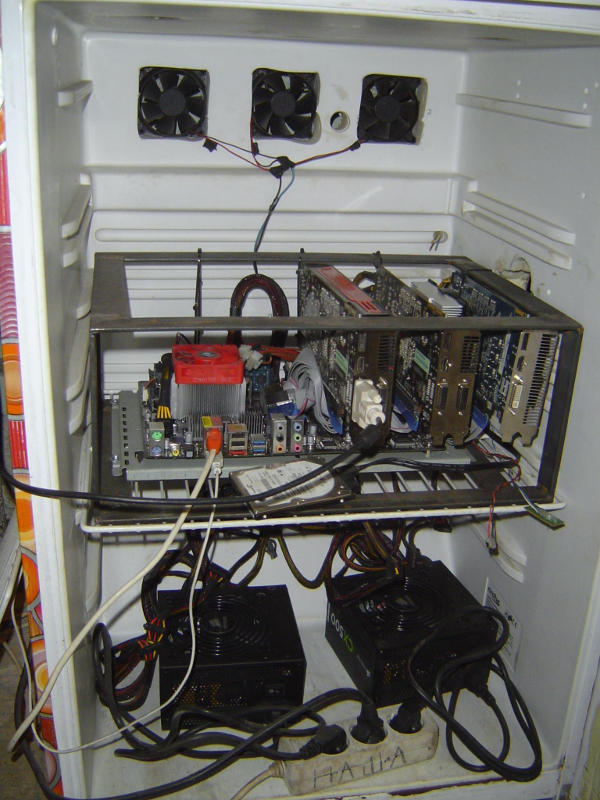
(176, 502)
(436, 704)
(437, 466)
(316, 704)
(503, 727)
(263, 227)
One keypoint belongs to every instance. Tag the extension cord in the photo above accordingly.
(358, 761)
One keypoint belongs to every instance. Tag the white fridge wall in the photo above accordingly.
(499, 183)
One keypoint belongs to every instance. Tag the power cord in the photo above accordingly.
(489, 761)
(267, 732)
(365, 442)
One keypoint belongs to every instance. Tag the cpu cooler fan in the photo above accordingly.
(389, 108)
(172, 102)
(284, 104)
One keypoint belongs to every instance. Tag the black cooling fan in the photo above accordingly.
(284, 104)
(172, 102)
(389, 108)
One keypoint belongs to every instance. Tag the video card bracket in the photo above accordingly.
(401, 490)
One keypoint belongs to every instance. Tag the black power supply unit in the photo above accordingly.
(373, 627)
(248, 651)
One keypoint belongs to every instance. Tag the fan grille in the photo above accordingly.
(227, 625)
(389, 108)
(284, 104)
(407, 606)
(172, 102)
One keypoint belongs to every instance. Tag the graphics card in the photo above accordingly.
(515, 367)
(435, 372)
(349, 361)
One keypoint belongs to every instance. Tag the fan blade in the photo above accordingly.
(274, 82)
(400, 91)
(408, 110)
(262, 95)
(380, 131)
(196, 106)
(166, 126)
(367, 118)
(384, 86)
(262, 117)
(277, 127)
(150, 112)
(301, 125)
(168, 78)
(150, 90)
(401, 132)
(297, 85)
(306, 103)
(188, 85)
(186, 123)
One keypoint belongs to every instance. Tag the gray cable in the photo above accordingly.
(305, 384)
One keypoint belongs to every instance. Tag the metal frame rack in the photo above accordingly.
(393, 492)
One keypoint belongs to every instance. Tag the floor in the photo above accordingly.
(16, 779)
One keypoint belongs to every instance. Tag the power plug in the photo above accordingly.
(359, 760)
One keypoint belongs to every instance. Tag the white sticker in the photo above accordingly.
(510, 651)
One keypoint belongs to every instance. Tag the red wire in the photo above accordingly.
(238, 155)
(500, 486)
(326, 155)
(252, 148)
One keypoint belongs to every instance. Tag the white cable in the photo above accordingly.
(116, 734)
(274, 771)
(66, 656)
(23, 649)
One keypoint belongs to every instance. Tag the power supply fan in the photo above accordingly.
(284, 104)
(389, 108)
(406, 605)
(172, 102)
(226, 626)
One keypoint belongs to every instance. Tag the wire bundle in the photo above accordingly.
(488, 760)
(277, 298)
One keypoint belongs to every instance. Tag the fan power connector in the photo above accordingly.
(359, 761)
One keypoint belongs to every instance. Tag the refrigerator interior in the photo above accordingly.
(505, 166)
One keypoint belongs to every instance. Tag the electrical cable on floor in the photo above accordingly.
(265, 733)
(66, 656)
(435, 702)
(274, 771)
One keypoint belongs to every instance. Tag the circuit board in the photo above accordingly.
(435, 372)
(515, 367)
(345, 357)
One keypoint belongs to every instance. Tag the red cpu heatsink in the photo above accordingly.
(207, 364)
